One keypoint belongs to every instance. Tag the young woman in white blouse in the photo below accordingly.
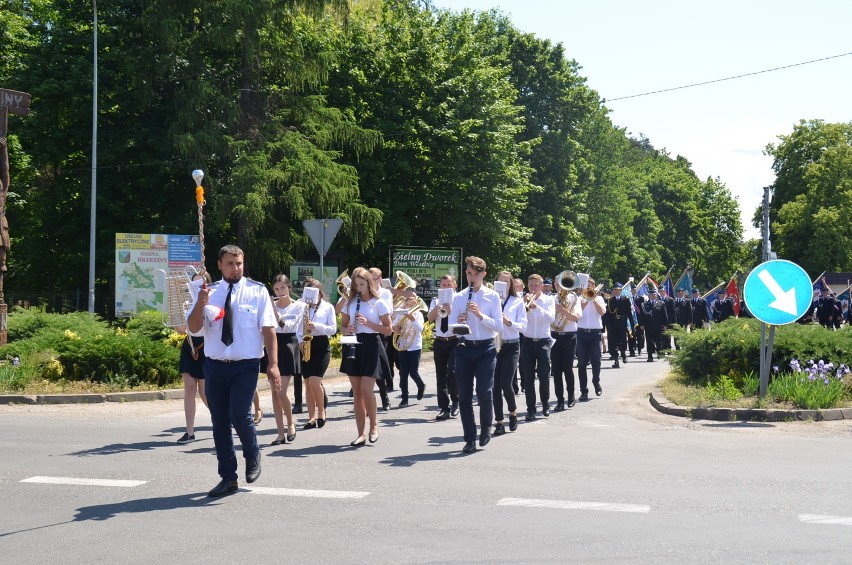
(289, 313)
(365, 316)
(319, 321)
(410, 330)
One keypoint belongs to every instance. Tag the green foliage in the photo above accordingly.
(723, 389)
(804, 393)
(732, 348)
(751, 384)
(78, 347)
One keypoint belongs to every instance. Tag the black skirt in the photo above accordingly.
(367, 360)
(320, 357)
(188, 364)
(289, 357)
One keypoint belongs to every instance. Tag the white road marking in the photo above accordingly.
(83, 482)
(305, 493)
(574, 505)
(819, 519)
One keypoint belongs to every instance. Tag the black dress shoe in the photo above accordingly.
(385, 404)
(291, 437)
(224, 488)
(560, 405)
(584, 397)
(469, 447)
(253, 469)
(484, 438)
(421, 390)
(650, 358)
(279, 441)
(454, 409)
(545, 411)
(186, 438)
(359, 442)
(403, 404)
(310, 425)
(297, 409)
(513, 422)
(443, 415)
(530, 417)
(499, 429)
(320, 422)
(616, 365)
(571, 402)
(598, 389)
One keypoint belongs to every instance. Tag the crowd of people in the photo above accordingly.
(493, 338)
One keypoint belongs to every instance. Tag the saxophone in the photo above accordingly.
(305, 344)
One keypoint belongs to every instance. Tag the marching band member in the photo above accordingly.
(589, 328)
(477, 307)
(444, 349)
(535, 353)
(385, 382)
(319, 322)
(409, 359)
(368, 317)
(619, 310)
(564, 349)
(513, 321)
(288, 312)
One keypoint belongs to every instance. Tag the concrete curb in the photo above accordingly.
(664, 406)
(168, 394)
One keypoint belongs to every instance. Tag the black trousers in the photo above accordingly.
(588, 349)
(444, 353)
(504, 372)
(617, 333)
(535, 362)
(562, 354)
(654, 337)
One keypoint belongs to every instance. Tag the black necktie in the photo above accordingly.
(445, 324)
(228, 320)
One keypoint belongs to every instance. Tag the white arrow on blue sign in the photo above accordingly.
(778, 292)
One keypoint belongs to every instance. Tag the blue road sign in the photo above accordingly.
(778, 292)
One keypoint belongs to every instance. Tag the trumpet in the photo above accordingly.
(529, 299)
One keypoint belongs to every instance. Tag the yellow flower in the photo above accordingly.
(70, 336)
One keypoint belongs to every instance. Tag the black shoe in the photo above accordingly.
(443, 415)
(650, 358)
(403, 404)
(279, 441)
(530, 417)
(320, 422)
(598, 389)
(513, 422)
(253, 469)
(224, 488)
(454, 409)
(545, 411)
(499, 429)
(421, 390)
(484, 438)
(297, 409)
(469, 447)
(560, 406)
(186, 438)
(291, 437)
(385, 404)
(373, 437)
(571, 402)
(310, 425)
(359, 442)
(584, 397)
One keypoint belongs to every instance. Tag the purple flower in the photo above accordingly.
(775, 368)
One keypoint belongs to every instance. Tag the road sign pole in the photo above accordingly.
(764, 380)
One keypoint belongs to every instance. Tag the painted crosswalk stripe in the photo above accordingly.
(305, 493)
(574, 505)
(75, 481)
(820, 519)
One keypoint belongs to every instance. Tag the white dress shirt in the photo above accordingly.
(251, 308)
(574, 308)
(540, 318)
(516, 313)
(489, 306)
(437, 331)
(323, 317)
(371, 309)
(290, 316)
(591, 319)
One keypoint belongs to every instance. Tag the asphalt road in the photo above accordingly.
(610, 480)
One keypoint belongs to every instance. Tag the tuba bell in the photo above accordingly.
(343, 283)
(567, 282)
(403, 282)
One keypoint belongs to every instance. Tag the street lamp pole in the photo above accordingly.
(94, 163)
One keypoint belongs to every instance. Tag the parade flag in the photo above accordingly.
(710, 298)
(667, 284)
(819, 283)
(685, 281)
(734, 295)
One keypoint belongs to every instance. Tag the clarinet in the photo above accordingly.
(466, 311)
(351, 354)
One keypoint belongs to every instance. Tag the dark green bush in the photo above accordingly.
(80, 346)
(732, 348)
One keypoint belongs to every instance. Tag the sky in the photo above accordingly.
(630, 47)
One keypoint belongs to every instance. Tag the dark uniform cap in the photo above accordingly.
(617, 285)
(695, 289)
(548, 281)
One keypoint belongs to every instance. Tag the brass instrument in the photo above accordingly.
(529, 299)
(343, 283)
(591, 293)
(403, 282)
(305, 344)
(407, 334)
(567, 282)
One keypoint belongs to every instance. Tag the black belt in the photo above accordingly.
(507, 341)
(536, 339)
(478, 341)
(588, 330)
(450, 338)
(563, 333)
